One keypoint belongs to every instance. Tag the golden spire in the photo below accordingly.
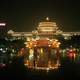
(47, 18)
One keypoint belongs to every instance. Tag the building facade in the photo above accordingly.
(43, 45)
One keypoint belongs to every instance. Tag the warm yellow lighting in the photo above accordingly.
(28, 39)
(35, 45)
(56, 44)
(26, 62)
(31, 51)
(31, 55)
(47, 18)
(56, 40)
(29, 44)
(49, 45)
(41, 50)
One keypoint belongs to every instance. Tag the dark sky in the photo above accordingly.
(24, 15)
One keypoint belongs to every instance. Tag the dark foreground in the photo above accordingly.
(16, 70)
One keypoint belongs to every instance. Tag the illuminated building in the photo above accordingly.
(3, 30)
(42, 44)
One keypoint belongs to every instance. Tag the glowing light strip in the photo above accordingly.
(2, 24)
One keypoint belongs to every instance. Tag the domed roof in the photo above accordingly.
(10, 32)
(47, 25)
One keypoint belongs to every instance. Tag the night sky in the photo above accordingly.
(24, 15)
